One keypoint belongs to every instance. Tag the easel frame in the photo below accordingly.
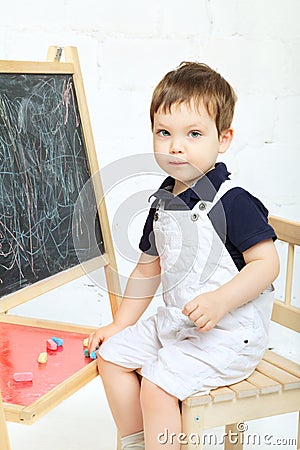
(107, 260)
(29, 414)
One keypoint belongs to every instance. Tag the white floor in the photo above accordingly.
(84, 421)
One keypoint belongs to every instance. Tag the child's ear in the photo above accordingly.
(225, 140)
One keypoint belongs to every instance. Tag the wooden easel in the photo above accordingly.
(29, 414)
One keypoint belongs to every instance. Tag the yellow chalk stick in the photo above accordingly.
(86, 342)
(43, 357)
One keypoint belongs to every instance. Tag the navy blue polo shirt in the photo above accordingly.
(246, 217)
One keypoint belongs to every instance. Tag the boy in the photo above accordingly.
(209, 243)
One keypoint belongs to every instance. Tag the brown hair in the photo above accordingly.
(199, 83)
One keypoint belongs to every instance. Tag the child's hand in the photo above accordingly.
(100, 335)
(205, 310)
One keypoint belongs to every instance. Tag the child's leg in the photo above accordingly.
(162, 417)
(122, 389)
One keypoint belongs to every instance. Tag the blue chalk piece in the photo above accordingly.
(86, 353)
(58, 341)
(93, 355)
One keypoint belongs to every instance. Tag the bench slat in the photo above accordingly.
(265, 384)
(244, 389)
(287, 380)
(222, 394)
(197, 400)
(282, 363)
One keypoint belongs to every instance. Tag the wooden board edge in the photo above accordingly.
(286, 315)
(45, 323)
(36, 67)
(41, 287)
(58, 394)
(12, 412)
(285, 229)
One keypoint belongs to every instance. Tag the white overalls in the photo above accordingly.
(167, 347)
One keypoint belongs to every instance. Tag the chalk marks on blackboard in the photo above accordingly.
(43, 168)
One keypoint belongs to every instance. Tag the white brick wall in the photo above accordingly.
(126, 47)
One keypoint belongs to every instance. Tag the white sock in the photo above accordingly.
(133, 441)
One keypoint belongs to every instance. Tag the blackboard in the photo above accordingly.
(43, 169)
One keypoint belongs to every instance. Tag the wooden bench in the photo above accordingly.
(272, 389)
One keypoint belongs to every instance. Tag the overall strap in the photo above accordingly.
(225, 187)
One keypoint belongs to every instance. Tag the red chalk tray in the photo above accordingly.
(20, 346)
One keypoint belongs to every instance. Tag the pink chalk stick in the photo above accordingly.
(23, 376)
(51, 345)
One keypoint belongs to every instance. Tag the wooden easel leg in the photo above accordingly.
(54, 53)
(234, 438)
(111, 271)
(4, 440)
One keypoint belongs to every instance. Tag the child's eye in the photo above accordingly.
(163, 133)
(194, 134)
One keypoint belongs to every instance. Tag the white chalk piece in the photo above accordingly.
(23, 376)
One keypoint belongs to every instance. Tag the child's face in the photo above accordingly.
(186, 143)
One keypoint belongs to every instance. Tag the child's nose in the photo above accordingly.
(176, 147)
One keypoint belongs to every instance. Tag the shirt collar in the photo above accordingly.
(204, 189)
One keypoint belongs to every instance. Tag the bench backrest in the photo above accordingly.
(284, 312)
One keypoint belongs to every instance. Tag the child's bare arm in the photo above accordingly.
(261, 269)
(140, 289)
